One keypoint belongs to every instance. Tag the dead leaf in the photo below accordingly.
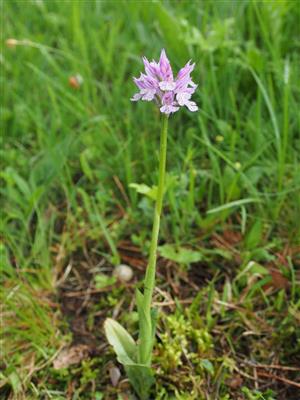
(278, 280)
(71, 355)
(232, 237)
(235, 382)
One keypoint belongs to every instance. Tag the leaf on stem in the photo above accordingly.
(145, 325)
(141, 188)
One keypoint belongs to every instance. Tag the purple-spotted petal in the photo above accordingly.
(168, 109)
(139, 82)
(183, 98)
(151, 68)
(167, 85)
(183, 79)
(192, 106)
(148, 94)
(186, 70)
(168, 98)
(165, 67)
(136, 97)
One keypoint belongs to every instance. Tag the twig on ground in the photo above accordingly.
(279, 378)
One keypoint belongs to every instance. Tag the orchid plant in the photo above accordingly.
(157, 84)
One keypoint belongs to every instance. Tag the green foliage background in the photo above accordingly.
(69, 155)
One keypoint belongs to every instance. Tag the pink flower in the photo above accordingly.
(158, 84)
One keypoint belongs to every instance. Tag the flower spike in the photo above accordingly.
(158, 84)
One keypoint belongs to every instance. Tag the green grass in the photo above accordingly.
(68, 157)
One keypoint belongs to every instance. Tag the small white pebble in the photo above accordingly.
(123, 272)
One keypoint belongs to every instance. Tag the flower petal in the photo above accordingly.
(186, 70)
(192, 106)
(136, 97)
(151, 68)
(167, 85)
(165, 67)
(168, 109)
(148, 94)
(183, 98)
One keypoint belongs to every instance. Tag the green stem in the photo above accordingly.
(149, 282)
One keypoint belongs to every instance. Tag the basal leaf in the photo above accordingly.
(140, 375)
(122, 342)
(141, 378)
(181, 255)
